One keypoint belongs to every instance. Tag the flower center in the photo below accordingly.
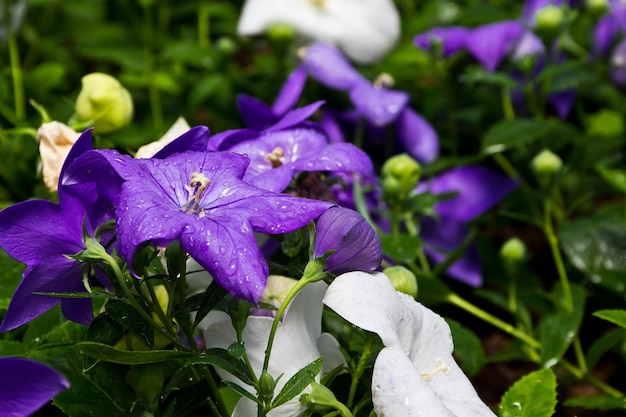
(320, 4)
(384, 80)
(274, 157)
(440, 366)
(198, 184)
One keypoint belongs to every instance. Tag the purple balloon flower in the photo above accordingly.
(25, 386)
(452, 39)
(200, 199)
(41, 234)
(356, 243)
(478, 189)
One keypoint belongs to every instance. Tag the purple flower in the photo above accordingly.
(491, 43)
(200, 199)
(25, 386)
(356, 244)
(479, 189)
(451, 39)
(618, 65)
(373, 102)
(41, 234)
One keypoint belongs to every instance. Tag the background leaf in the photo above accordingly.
(534, 395)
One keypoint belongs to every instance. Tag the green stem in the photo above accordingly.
(204, 25)
(16, 73)
(507, 103)
(360, 368)
(502, 325)
(553, 241)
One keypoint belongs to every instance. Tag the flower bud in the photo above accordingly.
(546, 165)
(266, 387)
(402, 279)
(281, 32)
(355, 242)
(55, 141)
(226, 45)
(321, 400)
(513, 253)
(598, 6)
(549, 18)
(105, 102)
(400, 173)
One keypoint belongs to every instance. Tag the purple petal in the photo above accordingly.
(417, 136)
(290, 92)
(563, 102)
(378, 105)
(26, 386)
(452, 39)
(491, 43)
(331, 127)
(604, 34)
(256, 114)
(356, 243)
(528, 45)
(225, 140)
(478, 190)
(275, 180)
(195, 139)
(327, 65)
(295, 117)
(337, 157)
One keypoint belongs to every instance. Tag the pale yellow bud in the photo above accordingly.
(55, 141)
(105, 102)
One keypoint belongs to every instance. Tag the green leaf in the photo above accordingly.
(10, 276)
(534, 395)
(615, 177)
(597, 403)
(242, 391)
(614, 316)
(467, 347)
(213, 294)
(298, 382)
(127, 317)
(596, 245)
(557, 331)
(222, 359)
(479, 75)
(129, 357)
(510, 134)
(602, 345)
(11, 348)
(102, 392)
(402, 248)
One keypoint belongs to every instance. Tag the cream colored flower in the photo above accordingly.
(55, 141)
(178, 128)
(364, 29)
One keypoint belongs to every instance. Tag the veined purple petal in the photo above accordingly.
(490, 43)
(256, 114)
(296, 116)
(356, 243)
(25, 386)
(327, 65)
(290, 92)
(452, 39)
(223, 141)
(417, 136)
(478, 190)
(377, 104)
(337, 157)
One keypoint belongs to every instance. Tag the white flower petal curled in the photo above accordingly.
(415, 374)
(55, 141)
(364, 29)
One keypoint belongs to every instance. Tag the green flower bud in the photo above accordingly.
(226, 45)
(597, 6)
(513, 253)
(266, 387)
(402, 279)
(400, 174)
(104, 102)
(146, 380)
(281, 32)
(549, 18)
(322, 400)
(546, 165)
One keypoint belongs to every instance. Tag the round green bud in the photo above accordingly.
(226, 45)
(546, 164)
(104, 102)
(549, 18)
(321, 400)
(598, 6)
(513, 250)
(402, 279)
(266, 387)
(400, 174)
(281, 32)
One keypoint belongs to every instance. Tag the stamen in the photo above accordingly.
(274, 157)
(198, 184)
(384, 80)
(441, 366)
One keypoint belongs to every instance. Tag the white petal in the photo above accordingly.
(364, 29)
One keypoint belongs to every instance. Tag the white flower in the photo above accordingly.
(364, 29)
(299, 341)
(55, 141)
(415, 373)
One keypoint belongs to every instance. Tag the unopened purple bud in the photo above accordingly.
(355, 242)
